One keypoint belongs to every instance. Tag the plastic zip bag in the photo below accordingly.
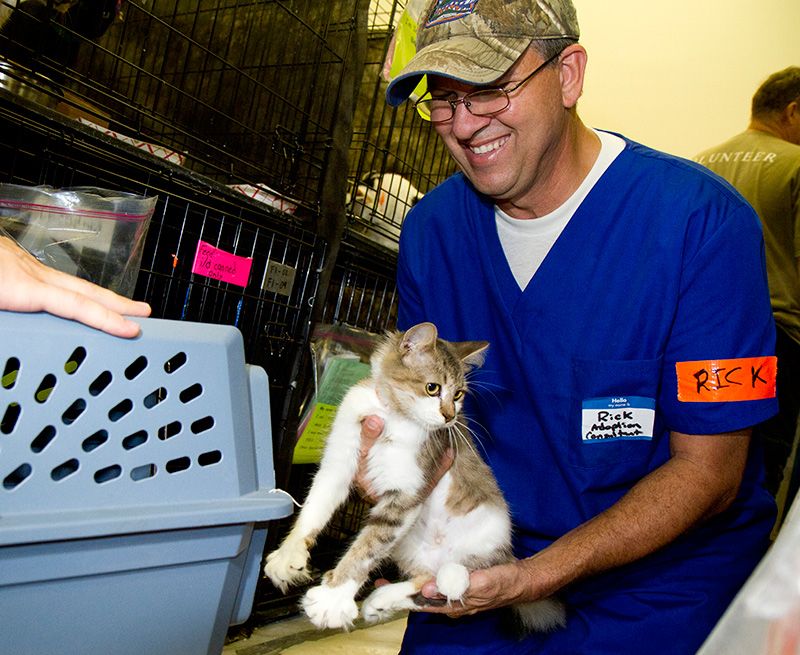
(93, 233)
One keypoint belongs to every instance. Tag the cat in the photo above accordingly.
(417, 386)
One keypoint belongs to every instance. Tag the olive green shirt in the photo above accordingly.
(765, 169)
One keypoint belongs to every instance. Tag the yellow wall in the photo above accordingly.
(678, 75)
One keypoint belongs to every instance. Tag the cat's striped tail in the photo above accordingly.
(541, 615)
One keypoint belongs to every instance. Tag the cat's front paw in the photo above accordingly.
(332, 607)
(452, 581)
(286, 566)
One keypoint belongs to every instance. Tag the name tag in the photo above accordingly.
(620, 418)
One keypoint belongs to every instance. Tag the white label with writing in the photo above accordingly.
(279, 279)
(619, 418)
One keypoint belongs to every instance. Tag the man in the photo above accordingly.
(624, 295)
(763, 163)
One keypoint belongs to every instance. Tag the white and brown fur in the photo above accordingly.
(461, 525)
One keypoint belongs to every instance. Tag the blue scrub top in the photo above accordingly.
(662, 263)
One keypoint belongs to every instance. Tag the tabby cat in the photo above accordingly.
(417, 387)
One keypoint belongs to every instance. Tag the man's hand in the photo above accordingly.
(371, 430)
(497, 586)
(27, 285)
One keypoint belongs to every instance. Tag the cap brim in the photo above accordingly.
(462, 58)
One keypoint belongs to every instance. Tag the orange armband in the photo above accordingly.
(727, 380)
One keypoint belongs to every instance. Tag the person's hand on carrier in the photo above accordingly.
(27, 285)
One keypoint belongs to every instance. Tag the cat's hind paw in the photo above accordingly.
(452, 581)
(332, 607)
(286, 567)
(382, 603)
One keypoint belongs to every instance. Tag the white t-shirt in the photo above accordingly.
(526, 241)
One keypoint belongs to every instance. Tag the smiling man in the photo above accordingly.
(606, 277)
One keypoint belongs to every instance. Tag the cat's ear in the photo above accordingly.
(419, 338)
(417, 341)
(472, 353)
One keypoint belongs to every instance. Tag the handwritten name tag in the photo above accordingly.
(620, 418)
(212, 262)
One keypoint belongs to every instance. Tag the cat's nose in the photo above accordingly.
(448, 412)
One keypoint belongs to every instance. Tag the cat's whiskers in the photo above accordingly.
(474, 440)
(459, 428)
(481, 389)
(450, 440)
(477, 374)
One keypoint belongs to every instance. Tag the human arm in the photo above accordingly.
(700, 479)
(27, 285)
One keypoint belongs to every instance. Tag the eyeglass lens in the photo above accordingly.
(479, 103)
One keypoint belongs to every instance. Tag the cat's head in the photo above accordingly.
(424, 377)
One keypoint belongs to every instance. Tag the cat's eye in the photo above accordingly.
(458, 395)
(433, 389)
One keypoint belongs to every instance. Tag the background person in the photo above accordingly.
(763, 163)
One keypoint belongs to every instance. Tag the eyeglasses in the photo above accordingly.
(484, 102)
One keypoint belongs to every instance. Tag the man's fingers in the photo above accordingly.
(447, 461)
(430, 591)
(30, 286)
(72, 305)
(444, 466)
(371, 428)
(105, 297)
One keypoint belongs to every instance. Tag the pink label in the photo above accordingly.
(220, 265)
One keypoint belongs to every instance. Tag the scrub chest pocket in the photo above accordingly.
(613, 413)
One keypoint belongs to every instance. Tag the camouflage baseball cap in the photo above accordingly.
(476, 41)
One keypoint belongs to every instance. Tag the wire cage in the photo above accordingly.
(237, 90)
(363, 291)
(395, 155)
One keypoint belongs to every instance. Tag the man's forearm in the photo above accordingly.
(689, 488)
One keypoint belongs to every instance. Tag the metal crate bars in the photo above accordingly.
(241, 91)
(395, 155)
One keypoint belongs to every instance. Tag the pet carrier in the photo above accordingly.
(135, 474)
